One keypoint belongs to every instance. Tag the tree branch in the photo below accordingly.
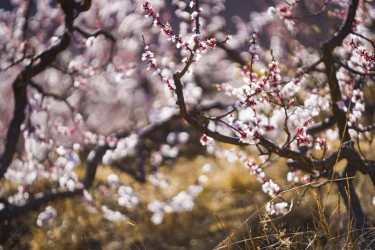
(52, 95)
(365, 38)
(351, 70)
(365, 129)
(321, 126)
(10, 211)
(39, 63)
(328, 60)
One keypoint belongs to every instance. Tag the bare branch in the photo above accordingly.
(351, 70)
(321, 126)
(232, 54)
(324, 7)
(328, 47)
(39, 63)
(197, 24)
(11, 211)
(96, 33)
(365, 38)
(52, 95)
(363, 129)
(308, 69)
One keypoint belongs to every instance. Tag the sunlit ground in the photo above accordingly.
(229, 210)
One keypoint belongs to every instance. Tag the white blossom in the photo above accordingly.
(46, 216)
(280, 208)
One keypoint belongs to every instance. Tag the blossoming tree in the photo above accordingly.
(77, 68)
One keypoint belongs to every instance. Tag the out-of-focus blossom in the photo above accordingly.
(46, 216)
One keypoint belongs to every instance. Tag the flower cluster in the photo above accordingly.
(20, 197)
(366, 59)
(271, 188)
(112, 215)
(127, 197)
(62, 171)
(294, 178)
(194, 44)
(150, 59)
(268, 186)
(46, 216)
(286, 13)
(166, 29)
(358, 107)
(280, 208)
(316, 102)
(258, 171)
(122, 148)
(158, 180)
(248, 132)
(274, 78)
(182, 202)
(320, 143)
(250, 77)
(302, 138)
(206, 140)
(340, 13)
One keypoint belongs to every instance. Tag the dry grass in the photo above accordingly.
(230, 210)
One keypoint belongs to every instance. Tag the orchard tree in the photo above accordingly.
(91, 82)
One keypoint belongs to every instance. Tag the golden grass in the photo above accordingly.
(229, 210)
